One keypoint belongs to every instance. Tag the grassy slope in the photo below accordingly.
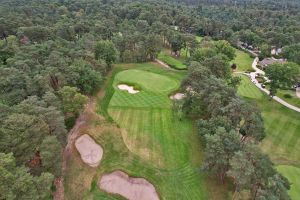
(282, 127)
(177, 63)
(243, 60)
(293, 174)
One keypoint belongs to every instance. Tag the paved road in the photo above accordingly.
(255, 82)
(298, 92)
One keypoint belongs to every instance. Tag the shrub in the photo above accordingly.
(288, 96)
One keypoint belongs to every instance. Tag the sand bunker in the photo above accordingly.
(120, 183)
(129, 89)
(90, 152)
(177, 96)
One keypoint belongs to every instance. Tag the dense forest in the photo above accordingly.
(55, 54)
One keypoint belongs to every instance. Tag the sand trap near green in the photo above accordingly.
(292, 174)
(147, 80)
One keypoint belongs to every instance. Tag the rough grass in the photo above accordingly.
(176, 63)
(293, 174)
(242, 60)
(282, 125)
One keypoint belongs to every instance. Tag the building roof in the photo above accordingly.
(270, 61)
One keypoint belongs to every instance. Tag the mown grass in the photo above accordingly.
(243, 60)
(293, 174)
(147, 81)
(247, 89)
(176, 63)
(149, 142)
(154, 134)
(294, 100)
(282, 125)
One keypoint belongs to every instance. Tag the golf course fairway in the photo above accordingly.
(162, 145)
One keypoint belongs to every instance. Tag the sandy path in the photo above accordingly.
(120, 183)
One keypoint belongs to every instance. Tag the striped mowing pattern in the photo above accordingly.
(282, 125)
(154, 134)
(293, 174)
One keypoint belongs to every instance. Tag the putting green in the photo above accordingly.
(147, 80)
(292, 174)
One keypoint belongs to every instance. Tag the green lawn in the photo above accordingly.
(148, 140)
(293, 174)
(243, 61)
(294, 100)
(153, 143)
(176, 63)
(248, 89)
(147, 81)
(282, 125)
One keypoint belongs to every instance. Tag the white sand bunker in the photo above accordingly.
(177, 96)
(129, 89)
(120, 183)
(90, 152)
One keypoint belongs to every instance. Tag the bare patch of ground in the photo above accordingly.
(90, 152)
(120, 183)
(129, 89)
(177, 96)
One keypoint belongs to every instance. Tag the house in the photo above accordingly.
(269, 61)
(276, 51)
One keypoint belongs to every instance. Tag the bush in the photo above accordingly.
(250, 70)
(70, 122)
(260, 79)
(288, 96)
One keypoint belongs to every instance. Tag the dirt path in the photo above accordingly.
(161, 63)
(74, 133)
